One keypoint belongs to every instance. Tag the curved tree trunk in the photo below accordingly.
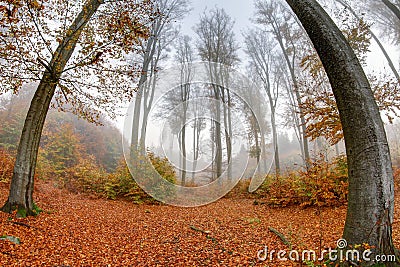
(371, 189)
(388, 59)
(392, 8)
(21, 190)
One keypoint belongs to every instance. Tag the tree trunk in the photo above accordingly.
(212, 133)
(147, 57)
(183, 147)
(257, 147)
(272, 104)
(194, 150)
(21, 190)
(388, 59)
(275, 143)
(296, 119)
(290, 65)
(218, 141)
(371, 189)
(228, 130)
(392, 8)
(263, 152)
(147, 104)
(228, 125)
(196, 144)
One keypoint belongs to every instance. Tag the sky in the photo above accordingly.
(241, 11)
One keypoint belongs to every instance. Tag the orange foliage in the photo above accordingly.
(77, 230)
(6, 166)
(324, 184)
(318, 105)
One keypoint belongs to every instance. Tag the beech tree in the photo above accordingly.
(216, 43)
(393, 7)
(386, 14)
(261, 49)
(371, 189)
(73, 49)
(184, 56)
(376, 39)
(318, 105)
(162, 34)
(276, 18)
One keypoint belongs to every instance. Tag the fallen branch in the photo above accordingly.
(21, 224)
(26, 225)
(208, 236)
(199, 230)
(280, 235)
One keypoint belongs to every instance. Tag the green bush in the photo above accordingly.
(121, 183)
(86, 176)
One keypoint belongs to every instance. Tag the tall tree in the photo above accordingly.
(261, 50)
(185, 56)
(274, 16)
(386, 16)
(33, 52)
(395, 9)
(198, 126)
(371, 190)
(217, 44)
(319, 107)
(162, 34)
(373, 35)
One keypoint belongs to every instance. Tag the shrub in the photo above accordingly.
(144, 173)
(87, 176)
(121, 184)
(323, 184)
(281, 190)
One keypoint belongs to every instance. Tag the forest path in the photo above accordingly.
(81, 230)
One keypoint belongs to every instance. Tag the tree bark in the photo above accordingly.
(392, 8)
(21, 190)
(290, 65)
(371, 190)
(183, 147)
(147, 58)
(218, 141)
(275, 142)
(196, 143)
(226, 99)
(388, 59)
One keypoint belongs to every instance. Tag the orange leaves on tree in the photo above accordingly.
(97, 75)
(321, 116)
(318, 103)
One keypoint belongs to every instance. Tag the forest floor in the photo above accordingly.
(82, 230)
